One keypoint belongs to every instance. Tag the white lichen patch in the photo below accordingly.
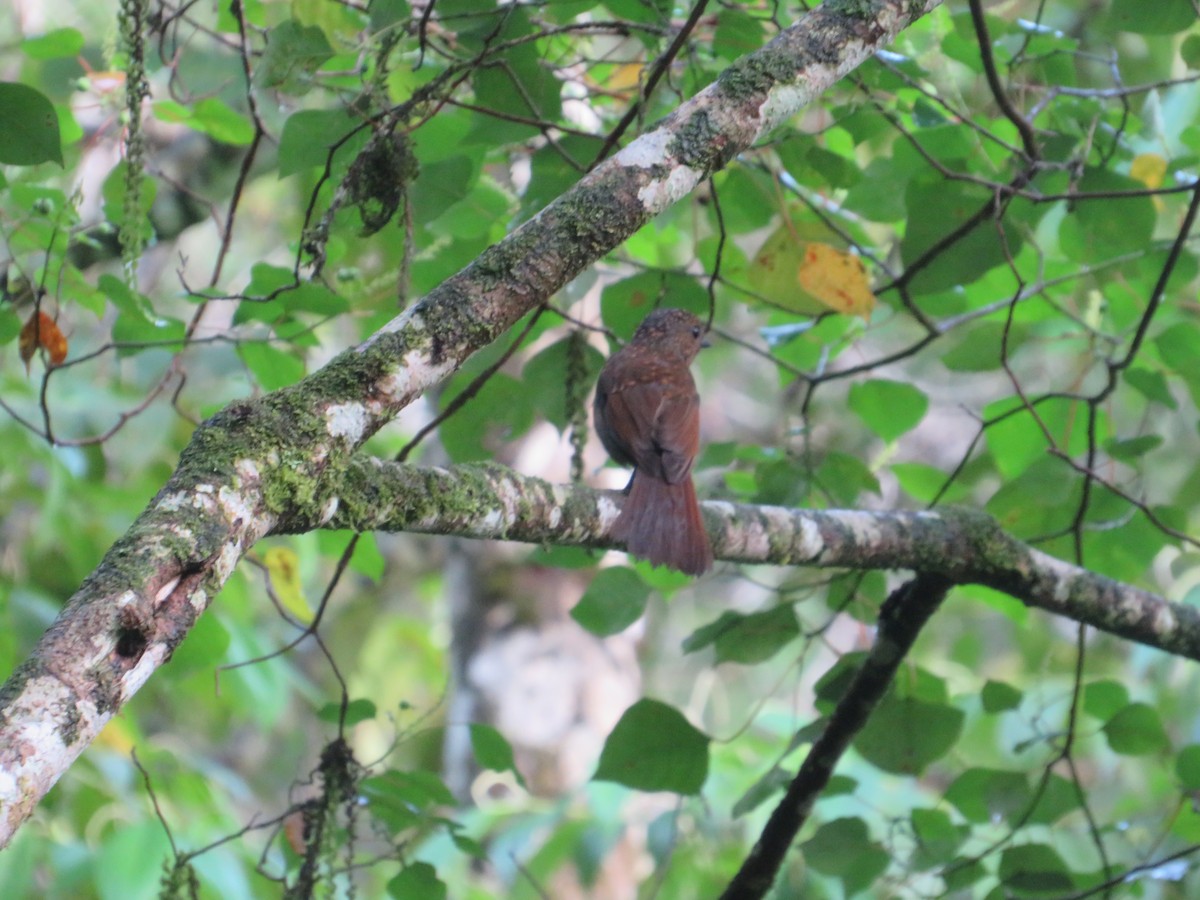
(165, 591)
(783, 101)
(127, 598)
(234, 505)
(247, 469)
(491, 521)
(410, 316)
(808, 541)
(608, 511)
(154, 656)
(174, 501)
(662, 192)
(346, 420)
(648, 150)
(414, 374)
(199, 600)
(328, 510)
(864, 526)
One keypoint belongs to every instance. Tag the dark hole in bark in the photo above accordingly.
(131, 643)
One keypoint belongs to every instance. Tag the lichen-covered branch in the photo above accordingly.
(260, 463)
(963, 546)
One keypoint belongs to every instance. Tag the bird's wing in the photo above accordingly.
(676, 435)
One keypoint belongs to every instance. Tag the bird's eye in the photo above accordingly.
(695, 331)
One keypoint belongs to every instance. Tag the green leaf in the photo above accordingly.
(518, 87)
(782, 481)
(401, 800)
(1013, 436)
(126, 301)
(654, 748)
(417, 881)
(61, 43)
(1058, 798)
(890, 408)
(1041, 499)
(843, 849)
(1159, 17)
(736, 34)
(1187, 767)
(625, 303)
(203, 649)
(1136, 730)
(938, 838)
(219, 121)
(1152, 385)
(1177, 347)
(294, 52)
(123, 855)
(772, 783)
(546, 377)
(1104, 699)
(1131, 448)
(997, 696)
(357, 710)
(920, 481)
(845, 478)
(499, 412)
(387, 14)
(1189, 51)
(937, 207)
(309, 135)
(746, 638)
(162, 332)
(982, 795)
(1005, 604)
(1034, 870)
(979, 348)
(314, 297)
(493, 751)
(440, 185)
(614, 600)
(962, 873)
(894, 741)
(757, 637)
(272, 368)
(114, 190)
(30, 133)
(1106, 227)
(832, 686)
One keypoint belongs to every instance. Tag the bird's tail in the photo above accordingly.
(661, 523)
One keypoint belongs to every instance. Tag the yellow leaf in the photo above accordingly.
(1148, 168)
(807, 276)
(621, 81)
(838, 279)
(283, 567)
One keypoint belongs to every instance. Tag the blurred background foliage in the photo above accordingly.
(1022, 337)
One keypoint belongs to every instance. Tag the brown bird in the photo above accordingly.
(648, 416)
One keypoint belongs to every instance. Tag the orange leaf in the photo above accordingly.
(795, 272)
(42, 331)
(836, 278)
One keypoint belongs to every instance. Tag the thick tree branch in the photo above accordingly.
(259, 463)
(963, 546)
